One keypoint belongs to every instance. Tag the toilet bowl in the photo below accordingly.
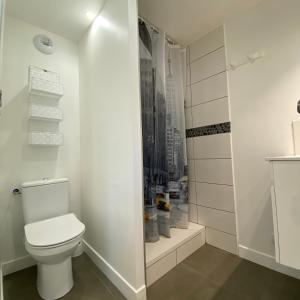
(51, 243)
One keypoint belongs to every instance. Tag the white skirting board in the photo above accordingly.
(116, 278)
(267, 261)
(17, 264)
(1, 284)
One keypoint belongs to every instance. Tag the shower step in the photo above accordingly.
(165, 254)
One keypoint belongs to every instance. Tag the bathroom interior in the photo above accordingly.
(149, 149)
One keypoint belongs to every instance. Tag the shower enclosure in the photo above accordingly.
(163, 124)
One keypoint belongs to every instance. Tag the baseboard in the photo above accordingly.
(1, 284)
(116, 278)
(17, 264)
(267, 261)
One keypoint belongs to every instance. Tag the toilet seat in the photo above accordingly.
(54, 232)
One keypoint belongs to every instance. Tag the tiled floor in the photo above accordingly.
(213, 274)
(208, 274)
(89, 284)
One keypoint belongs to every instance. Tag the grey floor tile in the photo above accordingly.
(21, 285)
(216, 294)
(208, 274)
(261, 283)
(89, 284)
(185, 283)
(177, 284)
(214, 274)
(181, 283)
(105, 281)
(213, 263)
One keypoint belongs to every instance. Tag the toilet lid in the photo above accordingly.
(53, 231)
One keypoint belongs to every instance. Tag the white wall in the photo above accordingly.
(209, 157)
(2, 6)
(112, 195)
(263, 100)
(20, 162)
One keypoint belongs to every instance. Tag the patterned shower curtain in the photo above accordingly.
(164, 148)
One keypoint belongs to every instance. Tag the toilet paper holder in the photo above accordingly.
(17, 191)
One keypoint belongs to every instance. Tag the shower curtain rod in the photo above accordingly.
(156, 29)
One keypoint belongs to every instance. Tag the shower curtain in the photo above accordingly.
(163, 124)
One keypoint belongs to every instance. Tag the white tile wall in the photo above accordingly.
(221, 240)
(217, 219)
(214, 171)
(215, 196)
(208, 65)
(190, 247)
(212, 146)
(210, 113)
(188, 118)
(208, 43)
(188, 96)
(160, 268)
(209, 161)
(192, 192)
(210, 89)
(191, 169)
(190, 148)
(193, 213)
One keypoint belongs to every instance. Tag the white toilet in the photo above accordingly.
(51, 234)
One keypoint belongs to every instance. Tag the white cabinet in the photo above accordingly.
(285, 191)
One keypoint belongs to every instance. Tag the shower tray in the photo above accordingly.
(165, 254)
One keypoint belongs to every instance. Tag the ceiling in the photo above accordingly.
(68, 18)
(183, 20)
(187, 20)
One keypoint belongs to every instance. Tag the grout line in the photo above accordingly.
(206, 54)
(234, 235)
(213, 183)
(212, 158)
(215, 208)
(224, 71)
(208, 101)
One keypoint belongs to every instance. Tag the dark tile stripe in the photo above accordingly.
(209, 130)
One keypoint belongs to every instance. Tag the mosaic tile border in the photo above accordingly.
(209, 130)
